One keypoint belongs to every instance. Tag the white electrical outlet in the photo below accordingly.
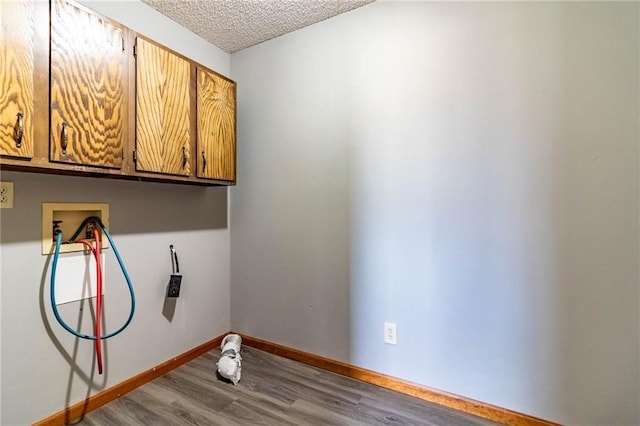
(6, 195)
(390, 333)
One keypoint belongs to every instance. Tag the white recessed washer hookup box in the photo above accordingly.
(69, 217)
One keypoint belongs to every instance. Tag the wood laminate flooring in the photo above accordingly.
(272, 391)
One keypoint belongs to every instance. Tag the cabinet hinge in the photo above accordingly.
(135, 49)
(122, 44)
(135, 156)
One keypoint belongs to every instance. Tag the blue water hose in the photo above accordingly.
(54, 266)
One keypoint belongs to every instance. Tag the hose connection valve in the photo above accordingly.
(56, 228)
(88, 233)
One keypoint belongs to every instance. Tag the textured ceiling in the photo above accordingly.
(233, 25)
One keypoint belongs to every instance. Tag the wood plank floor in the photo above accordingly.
(272, 391)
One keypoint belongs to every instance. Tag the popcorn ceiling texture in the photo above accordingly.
(233, 25)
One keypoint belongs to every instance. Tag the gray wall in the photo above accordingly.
(43, 367)
(466, 170)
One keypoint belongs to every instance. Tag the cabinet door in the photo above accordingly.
(216, 126)
(163, 111)
(16, 78)
(88, 88)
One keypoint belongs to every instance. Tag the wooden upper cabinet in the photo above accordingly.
(16, 78)
(76, 97)
(88, 88)
(163, 110)
(216, 120)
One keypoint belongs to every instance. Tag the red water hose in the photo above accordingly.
(98, 322)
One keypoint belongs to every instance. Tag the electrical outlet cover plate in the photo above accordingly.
(6, 195)
(71, 215)
(390, 333)
(174, 286)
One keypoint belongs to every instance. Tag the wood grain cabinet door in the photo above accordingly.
(16, 78)
(216, 108)
(163, 111)
(88, 88)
